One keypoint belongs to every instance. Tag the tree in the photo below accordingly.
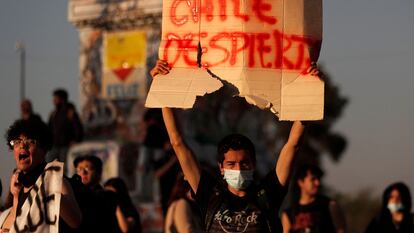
(218, 114)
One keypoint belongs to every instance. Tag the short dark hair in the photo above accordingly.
(61, 93)
(95, 161)
(303, 171)
(404, 192)
(36, 130)
(235, 142)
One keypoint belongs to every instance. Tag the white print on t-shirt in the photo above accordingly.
(238, 220)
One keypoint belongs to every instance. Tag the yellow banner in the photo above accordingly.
(125, 50)
(124, 65)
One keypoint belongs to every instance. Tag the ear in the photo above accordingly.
(221, 168)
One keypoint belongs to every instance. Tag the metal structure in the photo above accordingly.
(21, 49)
(116, 119)
(93, 18)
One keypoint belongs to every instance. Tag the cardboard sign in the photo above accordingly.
(262, 47)
(40, 212)
(124, 65)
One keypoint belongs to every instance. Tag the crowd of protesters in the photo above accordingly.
(193, 200)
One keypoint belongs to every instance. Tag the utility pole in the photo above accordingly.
(20, 48)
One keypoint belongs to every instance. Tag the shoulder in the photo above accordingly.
(182, 203)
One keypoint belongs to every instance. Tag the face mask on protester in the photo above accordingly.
(395, 207)
(238, 179)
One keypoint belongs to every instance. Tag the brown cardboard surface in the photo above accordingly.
(262, 47)
(183, 85)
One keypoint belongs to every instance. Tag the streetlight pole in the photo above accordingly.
(22, 51)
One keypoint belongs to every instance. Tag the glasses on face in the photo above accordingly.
(20, 142)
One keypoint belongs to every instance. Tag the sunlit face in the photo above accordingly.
(310, 184)
(87, 172)
(236, 160)
(27, 153)
(395, 197)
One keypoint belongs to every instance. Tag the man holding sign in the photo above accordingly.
(240, 204)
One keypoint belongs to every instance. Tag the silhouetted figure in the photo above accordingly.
(101, 204)
(310, 211)
(126, 214)
(395, 215)
(26, 111)
(183, 215)
(65, 125)
(157, 163)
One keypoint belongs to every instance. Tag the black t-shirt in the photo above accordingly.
(98, 208)
(383, 224)
(313, 218)
(223, 211)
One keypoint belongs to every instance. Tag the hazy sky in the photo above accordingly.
(367, 50)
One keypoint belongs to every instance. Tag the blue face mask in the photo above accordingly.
(238, 179)
(395, 207)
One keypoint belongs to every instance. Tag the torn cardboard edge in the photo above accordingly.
(183, 85)
(301, 99)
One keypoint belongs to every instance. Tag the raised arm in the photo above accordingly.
(185, 156)
(287, 154)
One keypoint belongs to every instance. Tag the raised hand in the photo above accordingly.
(161, 67)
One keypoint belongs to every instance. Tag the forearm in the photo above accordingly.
(185, 156)
(287, 154)
(123, 223)
(296, 133)
(13, 209)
